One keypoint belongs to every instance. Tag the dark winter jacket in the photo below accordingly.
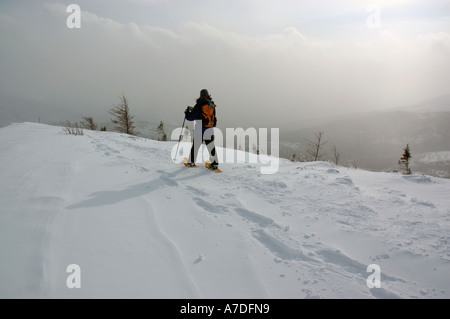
(204, 110)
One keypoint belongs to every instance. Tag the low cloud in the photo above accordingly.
(278, 78)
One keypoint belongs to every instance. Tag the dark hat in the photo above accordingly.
(204, 92)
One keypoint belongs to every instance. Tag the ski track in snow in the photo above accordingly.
(308, 231)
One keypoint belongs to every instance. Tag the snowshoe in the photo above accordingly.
(213, 167)
(188, 164)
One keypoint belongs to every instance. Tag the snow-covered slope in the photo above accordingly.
(140, 226)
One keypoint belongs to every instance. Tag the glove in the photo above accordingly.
(188, 109)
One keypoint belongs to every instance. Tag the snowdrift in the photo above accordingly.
(136, 225)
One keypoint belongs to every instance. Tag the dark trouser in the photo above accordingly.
(209, 145)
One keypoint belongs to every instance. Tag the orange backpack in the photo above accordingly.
(208, 115)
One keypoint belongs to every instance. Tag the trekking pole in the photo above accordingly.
(181, 134)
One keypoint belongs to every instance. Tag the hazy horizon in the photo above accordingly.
(262, 61)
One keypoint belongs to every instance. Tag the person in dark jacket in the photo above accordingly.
(204, 111)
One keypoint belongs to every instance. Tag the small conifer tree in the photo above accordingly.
(404, 160)
(162, 135)
(123, 120)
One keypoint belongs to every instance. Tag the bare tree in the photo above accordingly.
(336, 154)
(314, 147)
(88, 123)
(123, 120)
(73, 128)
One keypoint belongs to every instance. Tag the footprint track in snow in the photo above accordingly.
(287, 250)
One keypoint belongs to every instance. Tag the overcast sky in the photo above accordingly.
(271, 61)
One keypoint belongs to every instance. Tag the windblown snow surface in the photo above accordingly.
(140, 226)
